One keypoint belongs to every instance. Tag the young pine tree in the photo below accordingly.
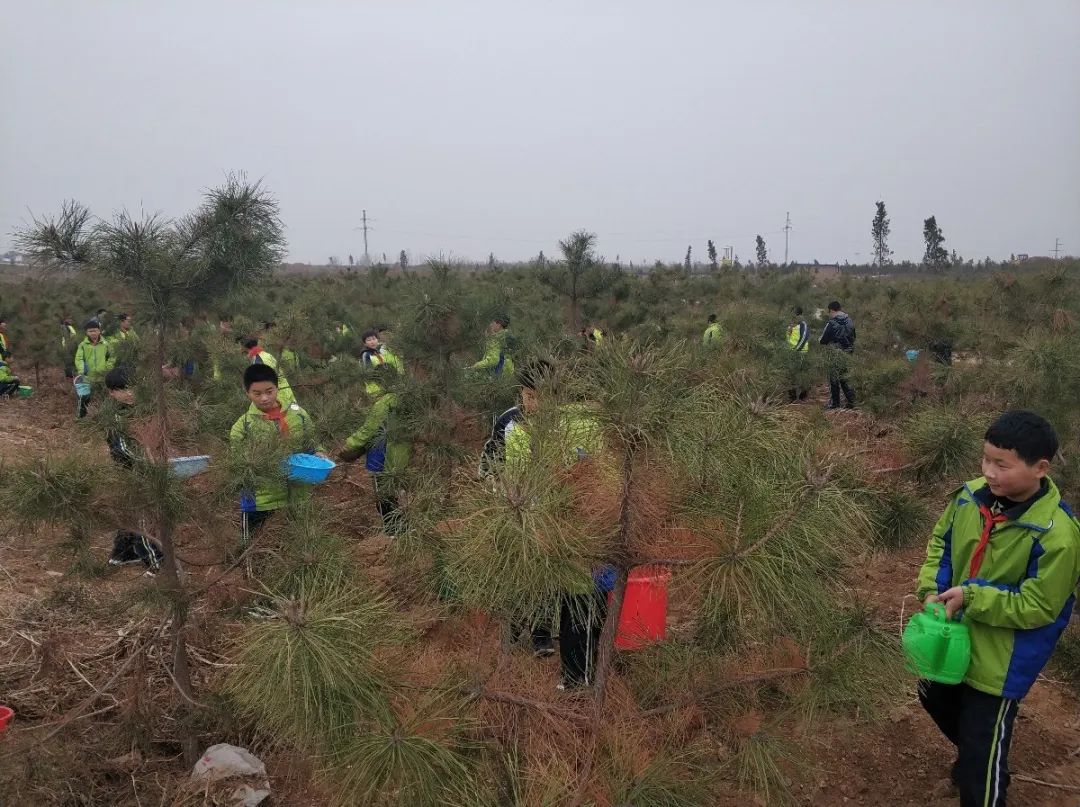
(174, 267)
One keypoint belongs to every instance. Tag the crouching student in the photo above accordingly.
(384, 455)
(1006, 554)
(281, 426)
(9, 382)
(129, 546)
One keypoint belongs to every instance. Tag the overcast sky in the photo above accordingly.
(474, 127)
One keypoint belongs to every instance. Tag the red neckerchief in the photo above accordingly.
(254, 352)
(278, 416)
(989, 521)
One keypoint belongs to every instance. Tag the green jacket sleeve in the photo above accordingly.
(238, 433)
(361, 439)
(490, 359)
(936, 572)
(1039, 599)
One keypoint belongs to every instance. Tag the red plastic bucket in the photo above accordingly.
(6, 713)
(644, 613)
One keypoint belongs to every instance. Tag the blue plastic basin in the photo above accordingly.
(912, 355)
(309, 469)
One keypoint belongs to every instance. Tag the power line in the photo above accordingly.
(365, 228)
(787, 229)
(1057, 247)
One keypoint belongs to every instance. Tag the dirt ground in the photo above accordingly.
(902, 761)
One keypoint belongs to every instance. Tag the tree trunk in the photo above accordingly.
(170, 576)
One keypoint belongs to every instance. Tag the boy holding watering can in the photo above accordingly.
(1006, 557)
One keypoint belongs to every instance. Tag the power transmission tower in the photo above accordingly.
(1057, 247)
(787, 229)
(364, 226)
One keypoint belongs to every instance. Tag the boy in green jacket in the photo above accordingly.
(496, 360)
(385, 456)
(1006, 554)
(93, 359)
(268, 419)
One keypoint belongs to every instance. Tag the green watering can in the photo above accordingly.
(937, 648)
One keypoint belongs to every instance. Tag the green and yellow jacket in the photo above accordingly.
(798, 337)
(94, 361)
(713, 335)
(254, 425)
(496, 359)
(578, 431)
(382, 455)
(1019, 600)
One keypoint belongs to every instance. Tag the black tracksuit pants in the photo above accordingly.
(581, 619)
(387, 504)
(981, 727)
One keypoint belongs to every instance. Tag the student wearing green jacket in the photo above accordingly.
(124, 328)
(269, 419)
(714, 334)
(384, 455)
(258, 355)
(581, 613)
(496, 360)
(9, 382)
(93, 359)
(1005, 555)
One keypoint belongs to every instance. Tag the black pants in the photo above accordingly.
(581, 619)
(838, 381)
(981, 727)
(387, 504)
(251, 522)
(84, 404)
(539, 634)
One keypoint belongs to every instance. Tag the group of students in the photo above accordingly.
(1005, 554)
(838, 333)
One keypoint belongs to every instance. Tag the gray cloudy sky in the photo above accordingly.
(471, 127)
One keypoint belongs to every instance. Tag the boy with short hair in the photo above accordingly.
(839, 332)
(1006, 553)
(269, 418)
(93, 359)
(258, 355)
(124, 328)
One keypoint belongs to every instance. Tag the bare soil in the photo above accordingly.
(69, 644)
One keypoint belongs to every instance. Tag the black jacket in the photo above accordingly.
(839, 331)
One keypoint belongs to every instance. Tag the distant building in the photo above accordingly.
(820, 271)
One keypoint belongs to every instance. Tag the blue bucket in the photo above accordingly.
(185, 467)
(82, 389)
(912, 355)
(309, 469)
